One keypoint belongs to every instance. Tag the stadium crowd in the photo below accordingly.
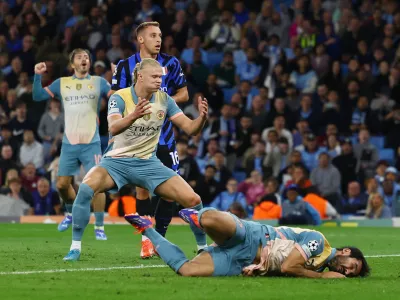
(304, 98)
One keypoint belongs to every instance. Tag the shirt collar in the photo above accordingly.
(87, 77)
(135, 97)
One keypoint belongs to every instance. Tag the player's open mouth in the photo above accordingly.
(158, 47)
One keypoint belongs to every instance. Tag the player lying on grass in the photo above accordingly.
(135, 117)
(251, 249)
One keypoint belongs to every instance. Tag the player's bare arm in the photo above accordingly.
(294, 265)
(118, 124)
(193, 127)
(182, 95)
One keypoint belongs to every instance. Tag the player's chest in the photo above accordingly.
(156, 116)
(76, 95)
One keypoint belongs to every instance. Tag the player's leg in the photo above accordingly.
(68, 166)
(172, 255)
(96, 181)
(168, 155)
(90, 157)
(177, 189)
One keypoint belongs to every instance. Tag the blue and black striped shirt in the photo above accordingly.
(173, 80)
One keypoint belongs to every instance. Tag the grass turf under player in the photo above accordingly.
(149, 38)
(251, 249)
(81, 96)
(135, 118)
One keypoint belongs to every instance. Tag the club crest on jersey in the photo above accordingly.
(160, 114)
(164, 70)
(78, 86)
(90, 87)
(146, 117)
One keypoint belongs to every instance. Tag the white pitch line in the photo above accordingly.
(82, 270)
(383, 255)
(129, 267)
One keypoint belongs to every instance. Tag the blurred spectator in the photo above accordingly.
(180, 30)
(213, 93)
(267, 208)
(16, 192)
(29, 178)
(20, 122)
(346, 163)
(122, 203)
(304, 78)
(257, 161)
(372, 186)
(248, 70)
(333, 146)
(197, 72)
(244, 135)
(50, 127)
(354, 200)
(295, 211)
(16, 69)
(148, 11)
(45, 200)
(324, 208)
(222, 173)
(115, 53)
(188, 53)
(240, 54)
(6, 139)
(225, 34)
(278, 158)
(366, 154)
(299, 177)
(392, 127)
(390, 193)
(6, 161)
(225, 199)
(307, 113)
(376, 208)
(31, 150)
(252, 187)
(279, 126)
(226, 71)
(188, 168)
(320, 60)
(363, 116)
(258, 114)
(201, 26)
(206, 186)
(327, 179)
(381, 167)
(11, 174)
(311, 151)
(238, 210)
(193, 109)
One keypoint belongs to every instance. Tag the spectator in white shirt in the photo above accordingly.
(31, 150)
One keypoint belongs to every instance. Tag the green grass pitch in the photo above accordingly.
(26, 248)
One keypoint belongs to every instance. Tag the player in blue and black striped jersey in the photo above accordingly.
(174, 84)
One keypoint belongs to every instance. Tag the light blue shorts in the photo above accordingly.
(146, 173)
(240, 251)
(73, 156)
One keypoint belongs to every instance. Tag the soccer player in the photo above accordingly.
(251, 249)
(174, 84)
(135, 117)
(80, 95)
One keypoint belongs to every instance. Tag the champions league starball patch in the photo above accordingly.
(112, 103)
(313, 245)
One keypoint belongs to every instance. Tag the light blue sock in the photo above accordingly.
(201, 238)
(99, 216)
(68, 207)
(169, 253)
(81, 211)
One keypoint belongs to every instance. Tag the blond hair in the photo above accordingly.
(375, 211)
(144, 25)
(146, 62)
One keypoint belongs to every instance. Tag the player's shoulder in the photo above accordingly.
(123, 92)
(166, 59)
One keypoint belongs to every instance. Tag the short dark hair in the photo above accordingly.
(76, 51)
(212, 167)
(357, 254)
(144, 25)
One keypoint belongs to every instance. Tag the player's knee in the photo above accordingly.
(208, 219)
(62, 185)
(193, 200)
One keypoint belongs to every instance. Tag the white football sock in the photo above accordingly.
(76, 245)
(201, 247)
(99, 228)
(144, 238)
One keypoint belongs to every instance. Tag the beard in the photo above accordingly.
(334, 265)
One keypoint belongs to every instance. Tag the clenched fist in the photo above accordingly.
(40, 68)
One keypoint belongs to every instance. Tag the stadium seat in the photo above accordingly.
(239, 176)
(228, 93)
(387, 154)
(214, 58)
(378, 141)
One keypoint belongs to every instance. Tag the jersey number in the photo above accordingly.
(97, 158)
(174, 157)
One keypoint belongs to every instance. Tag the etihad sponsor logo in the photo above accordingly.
(80, 97)
(137, 130)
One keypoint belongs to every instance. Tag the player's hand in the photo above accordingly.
(203, 107)
(142, 108)
(332, 274)
(40, 68)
